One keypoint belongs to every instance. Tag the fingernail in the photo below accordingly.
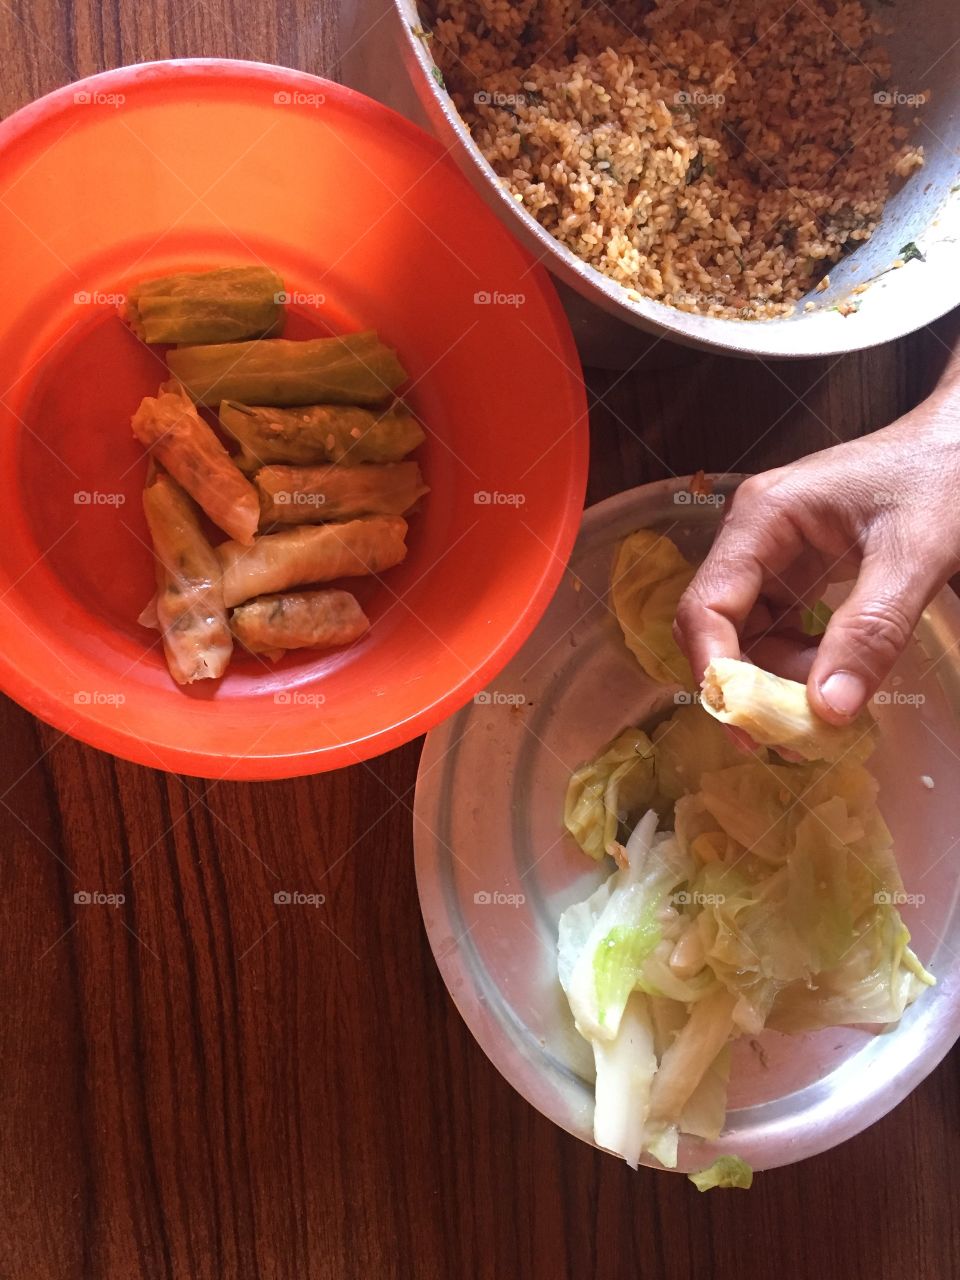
(844, 692)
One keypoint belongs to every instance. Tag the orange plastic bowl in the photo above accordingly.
(174, 165)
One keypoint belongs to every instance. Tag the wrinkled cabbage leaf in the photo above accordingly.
(726, 1171)
(608, 791)
(649, 577)
(605, 941)
(688, 745)
(771, 904)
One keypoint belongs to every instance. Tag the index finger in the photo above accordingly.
(727, 585)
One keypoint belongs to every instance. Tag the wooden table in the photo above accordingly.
(193, 1087)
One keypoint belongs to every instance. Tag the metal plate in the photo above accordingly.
(495, 868)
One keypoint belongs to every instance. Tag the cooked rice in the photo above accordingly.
(715, 156)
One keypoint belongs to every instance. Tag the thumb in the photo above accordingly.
(870, 630)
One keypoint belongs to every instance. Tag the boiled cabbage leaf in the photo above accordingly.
(601, 795)
(649, 577)
(726, 1171)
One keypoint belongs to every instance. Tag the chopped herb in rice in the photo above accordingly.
(697, 151)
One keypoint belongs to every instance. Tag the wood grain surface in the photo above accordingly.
(196, 1084)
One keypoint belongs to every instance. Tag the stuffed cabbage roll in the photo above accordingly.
(222, 305)
(311, 553)
(775, 712)
(188, 607)
(300, 620)
(173, 431)
(304, 495)
(320, 433)
(354, 369)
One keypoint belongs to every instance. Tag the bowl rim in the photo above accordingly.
(198, 762)
(749, 338)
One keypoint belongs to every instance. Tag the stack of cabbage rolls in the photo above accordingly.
(316, 489)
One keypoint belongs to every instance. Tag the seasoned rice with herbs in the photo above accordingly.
(716, 157)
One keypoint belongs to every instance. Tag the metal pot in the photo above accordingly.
(386, 59)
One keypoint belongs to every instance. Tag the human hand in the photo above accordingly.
(884, 509)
